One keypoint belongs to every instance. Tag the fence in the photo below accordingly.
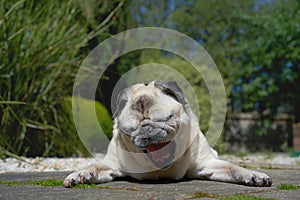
(296, 137)
(240, 133)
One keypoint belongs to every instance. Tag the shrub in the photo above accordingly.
(41, 45)
(88, 132)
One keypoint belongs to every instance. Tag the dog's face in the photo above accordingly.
(151, 115)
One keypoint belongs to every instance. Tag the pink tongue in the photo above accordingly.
(159, 152)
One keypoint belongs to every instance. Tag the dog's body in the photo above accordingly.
(157, 136)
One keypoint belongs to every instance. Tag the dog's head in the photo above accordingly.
(150, 115)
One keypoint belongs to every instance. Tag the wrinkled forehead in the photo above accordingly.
(143, 89)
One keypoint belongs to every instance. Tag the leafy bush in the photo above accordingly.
(88, 132)
(41, 46)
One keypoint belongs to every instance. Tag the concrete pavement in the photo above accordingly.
(131, 189)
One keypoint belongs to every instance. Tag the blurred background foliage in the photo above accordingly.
(42, 44)
(254, 43)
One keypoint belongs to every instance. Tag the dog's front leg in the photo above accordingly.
(94, 174)
(219, 170)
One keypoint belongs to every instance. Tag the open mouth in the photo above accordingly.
(161, 154)
(149, 136)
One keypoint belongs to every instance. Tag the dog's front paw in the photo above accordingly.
(80, 177)
(255, 178)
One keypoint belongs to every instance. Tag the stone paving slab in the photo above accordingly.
(131, 189)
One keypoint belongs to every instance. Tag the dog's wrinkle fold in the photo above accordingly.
(129, 130)
(149, 135)
(159, 124)
(149, 125)
(151, 131)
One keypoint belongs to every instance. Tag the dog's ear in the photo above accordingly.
(122, 99)
(172, 89)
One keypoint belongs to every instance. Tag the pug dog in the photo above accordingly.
(156, 135)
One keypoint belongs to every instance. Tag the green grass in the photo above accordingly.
(11, 183)
(45, 183)
(245, 197)
(288, 187)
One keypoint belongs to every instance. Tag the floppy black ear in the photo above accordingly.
(172, 89)
(122, 99)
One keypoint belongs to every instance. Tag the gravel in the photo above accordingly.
(265, 161)
(259, 161)
(40, 164)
